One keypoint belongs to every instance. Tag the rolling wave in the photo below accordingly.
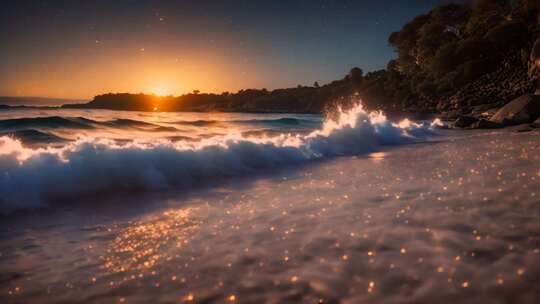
(31, 129)
(32, 136)
(285, 122)
(123, 123)
(197, 123)
(45, 122)
(126, 123)
(57, 122)
(33, 177)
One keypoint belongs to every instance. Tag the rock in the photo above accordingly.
(486, 124)
(524, 57)
(448, 115)
(523, 109)
(485, 111)
(534, 64)
(465, 121)
(482, 107)
(536, 123)
(535, 51)
(523, 128)
(488, 113)
(442, 105)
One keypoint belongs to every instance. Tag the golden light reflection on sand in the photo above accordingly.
(143, 244)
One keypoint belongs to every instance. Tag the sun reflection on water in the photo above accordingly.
(144, 244)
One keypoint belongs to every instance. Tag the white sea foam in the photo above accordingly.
(33, 177)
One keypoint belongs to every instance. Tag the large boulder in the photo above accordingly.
(536, 123)
(523, 109)
(484, 110)
(534, 64)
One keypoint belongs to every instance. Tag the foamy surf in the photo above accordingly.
(33, 177)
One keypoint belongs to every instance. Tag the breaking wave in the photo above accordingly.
(284, 121)
(52, 122)
(31, 178)
(131, 123)
(46, 122)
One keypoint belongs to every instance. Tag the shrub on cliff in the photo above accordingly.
(508, 35)
(452, 55)
(455, 44)
(404, 42)
(356, 75)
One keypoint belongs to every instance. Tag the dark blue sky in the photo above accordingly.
(77, 49)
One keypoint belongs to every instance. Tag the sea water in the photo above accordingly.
(105, 207)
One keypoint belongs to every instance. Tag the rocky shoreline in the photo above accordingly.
(522, 110)
(507, 97)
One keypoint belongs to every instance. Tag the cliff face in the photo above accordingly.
(492, 90)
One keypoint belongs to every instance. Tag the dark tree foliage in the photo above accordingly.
(456, 44)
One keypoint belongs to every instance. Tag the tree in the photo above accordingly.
(316, 84)
(404, 42)
(356, 76)
(444, 22)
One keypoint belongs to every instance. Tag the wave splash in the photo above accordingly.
(32, 177)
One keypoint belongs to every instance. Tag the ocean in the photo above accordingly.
(101, 206)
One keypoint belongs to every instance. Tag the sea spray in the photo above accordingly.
(33, 177)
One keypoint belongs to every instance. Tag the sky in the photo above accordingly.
(78, 49)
